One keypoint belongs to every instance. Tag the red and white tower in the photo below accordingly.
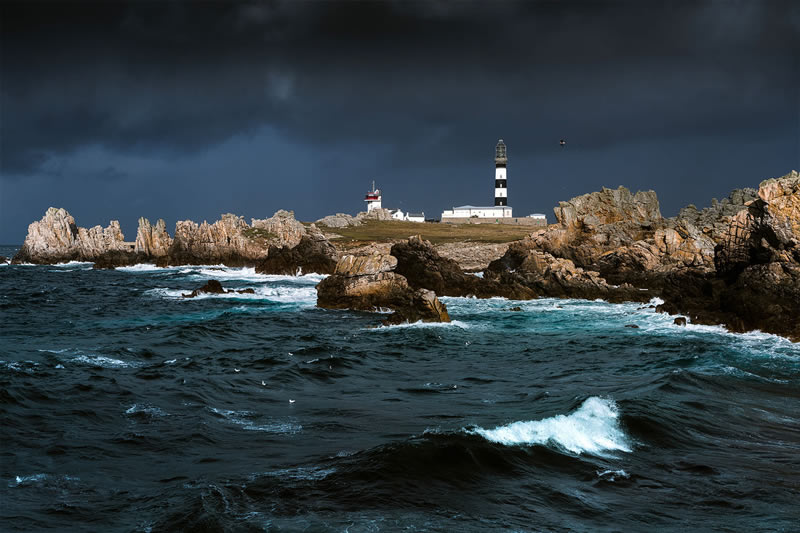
(373, 198)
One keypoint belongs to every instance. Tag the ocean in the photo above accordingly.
(126, 407)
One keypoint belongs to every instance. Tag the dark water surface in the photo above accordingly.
(125, 407)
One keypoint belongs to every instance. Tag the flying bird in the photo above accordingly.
(562, 142)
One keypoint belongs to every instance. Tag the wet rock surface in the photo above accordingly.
(368, 282)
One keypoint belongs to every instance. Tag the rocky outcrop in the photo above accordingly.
(369, 283)
(339, 220)
(152, 241)
(229, 241)
(56, 238)
(472, 256)
(547, 276)
(609, 206)
(756, 280)
(423, 267)
(312, 253)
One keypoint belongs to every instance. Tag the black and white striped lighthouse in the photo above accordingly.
(500, 181)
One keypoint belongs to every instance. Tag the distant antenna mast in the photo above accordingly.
(373, 185)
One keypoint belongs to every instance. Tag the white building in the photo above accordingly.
(470, 211)
(501, 208)
(415, 217)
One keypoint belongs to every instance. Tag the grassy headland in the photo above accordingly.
(394, 230)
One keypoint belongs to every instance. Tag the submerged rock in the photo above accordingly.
(215, 287)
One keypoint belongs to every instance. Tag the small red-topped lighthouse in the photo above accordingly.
(373, 198)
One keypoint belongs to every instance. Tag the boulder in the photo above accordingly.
(545, 275)
(368, 283)
(313, 253)
(680, 321)
(215, 287)
(339, 220)
(423, 267)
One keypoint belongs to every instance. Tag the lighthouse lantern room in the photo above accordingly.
(373, 198)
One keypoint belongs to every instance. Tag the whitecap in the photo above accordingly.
(593, 428)
(297, 294)
(613, 475)
(143, 267)
(420, 324)
(148, 410)
(245, 419)
(102, 361)
(305, 473)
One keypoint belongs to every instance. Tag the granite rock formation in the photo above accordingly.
(229, 241)
(312, 253)
(756, 280)
(57, 239)
(524, 264)
(368, 283)
(423, 267)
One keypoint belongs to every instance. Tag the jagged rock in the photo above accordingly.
(152, 241)
(3, 259)
(339, 220)
(313, 253)
(781, 197)
(368, 283)
(423, 267)
(609, 206)
(281, 229)
(472, 256)
(516, 308)
(680, 321)
(56, 238)
(756, 282)
(545, 275)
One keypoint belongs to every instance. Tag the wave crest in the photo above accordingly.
(593, 428)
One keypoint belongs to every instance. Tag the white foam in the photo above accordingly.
(144, 267)
(297, 294)
(613, 475)
(102, 361)
(144, 409)
(245, 420)
(420, 324)
(593, 428)
(72, 263)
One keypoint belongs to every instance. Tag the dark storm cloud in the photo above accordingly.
(428, 78)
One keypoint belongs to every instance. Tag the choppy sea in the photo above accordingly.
(125, 407)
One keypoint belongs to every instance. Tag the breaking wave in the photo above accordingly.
(593, 428)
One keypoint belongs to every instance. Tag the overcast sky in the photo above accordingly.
(189, 110)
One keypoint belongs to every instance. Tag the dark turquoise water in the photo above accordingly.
(124, 407)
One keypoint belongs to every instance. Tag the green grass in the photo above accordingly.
(258, 233)
(394, 230)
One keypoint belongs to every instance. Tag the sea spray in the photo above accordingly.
(593, 428)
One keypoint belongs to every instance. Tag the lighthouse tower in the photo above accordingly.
(373, 198)
(500, 181)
